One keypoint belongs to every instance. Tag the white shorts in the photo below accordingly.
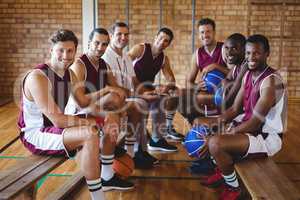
(45, 141)
(258, 145)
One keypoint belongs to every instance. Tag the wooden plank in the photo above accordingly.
(264, 180)
(31, 177)
(69, 186)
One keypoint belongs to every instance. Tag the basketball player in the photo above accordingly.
(148, 60)
(122, 69)
(205, 59)
(96, 78)
(262, 98)
(45, 130)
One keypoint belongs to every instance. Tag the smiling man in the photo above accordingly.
(149, 60)
(262, 98)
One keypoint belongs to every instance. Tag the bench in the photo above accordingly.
(22, 177)
(264, 180)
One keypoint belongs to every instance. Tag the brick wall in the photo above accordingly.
(26, 24)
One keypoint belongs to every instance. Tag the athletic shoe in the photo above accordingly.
(154, 160)
(161, 145)
(230, 193)
(214, 180)
(203, 166)
(141, 162)
(173, 134)
(116, 183)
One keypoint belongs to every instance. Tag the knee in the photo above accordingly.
(115, 102)
(92, 135)
(215, 145)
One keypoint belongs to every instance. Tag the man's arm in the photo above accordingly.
(235, 109)
(38, 87)
(168, 74)
(77, 73)
(194, 72)
(136, 51)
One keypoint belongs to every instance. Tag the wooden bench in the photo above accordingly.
(264, 180)
(23, 176)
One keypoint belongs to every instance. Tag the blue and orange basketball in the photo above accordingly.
(123, 166)
(218, 98)
(213, 79)
(194, 140)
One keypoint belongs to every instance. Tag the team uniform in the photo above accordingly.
(38, 134)
(146, 67)
(95, 79)
(268, 141)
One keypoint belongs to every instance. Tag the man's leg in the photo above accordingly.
(157, 142)
(87, 138)
(171, 107)
(223, 149)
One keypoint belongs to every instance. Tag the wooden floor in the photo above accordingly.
(169, 180)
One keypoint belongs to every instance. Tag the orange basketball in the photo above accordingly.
(123, 166)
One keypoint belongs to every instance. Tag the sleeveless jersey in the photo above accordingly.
(146, 67)
(30, 116)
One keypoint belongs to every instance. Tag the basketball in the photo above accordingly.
(194, 140)
(213, 79)
(123, 166)
(218, 98)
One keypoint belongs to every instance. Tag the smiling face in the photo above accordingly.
(234, 52)
(120, 37)
(98, 45)
(256, 55)
(206, 34)
(162, 41)
(62, 54)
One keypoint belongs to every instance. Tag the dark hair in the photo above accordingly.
(99, 31)
(239, 38)
(166, 31)
(63, 35)
(260, 39)
(117, 24)
(206, 21)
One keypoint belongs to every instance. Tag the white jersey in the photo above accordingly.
(121, 67)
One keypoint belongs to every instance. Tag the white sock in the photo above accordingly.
(129, 145)
(231, 179)
(169, 119)
(95, 188)
(106, 166)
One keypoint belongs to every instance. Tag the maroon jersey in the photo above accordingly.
(146, 67)
(95, 78)
(252, 91)
(204, 59)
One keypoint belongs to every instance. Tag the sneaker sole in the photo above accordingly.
(108, 188)
(173, 137)
(161, 149)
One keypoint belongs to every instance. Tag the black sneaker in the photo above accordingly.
(161, 145)
(148, 156)
(116, 183)
(141, 162)
(171, 133)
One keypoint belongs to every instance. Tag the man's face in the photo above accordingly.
(162, 41)
(63, 54)
(98, 45)
(234, 52)
(120, 37)
(255, 55)
(206, 34)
